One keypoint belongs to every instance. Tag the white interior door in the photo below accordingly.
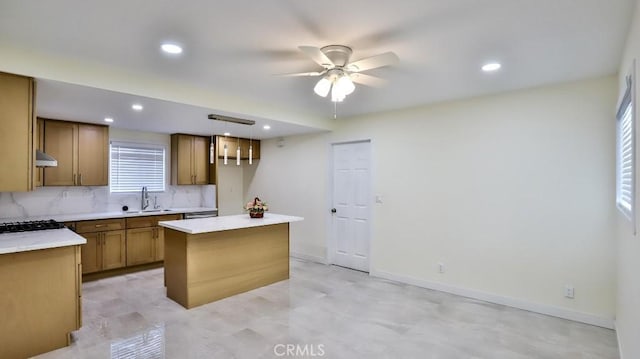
(351, 205)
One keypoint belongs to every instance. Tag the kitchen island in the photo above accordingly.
(40, 296)
(207, 259)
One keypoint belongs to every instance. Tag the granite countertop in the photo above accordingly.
(225, 223)
(107, 215)
(34, 240)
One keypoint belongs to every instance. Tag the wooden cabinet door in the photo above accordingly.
(140, 245)
(17, 136)
(184, 145)
(244, 146)
(61, 142)
(93, 155)
(159, 255)
(232, 145)
(114, 249)
(91, 253)
(256, 149)
(200, 160)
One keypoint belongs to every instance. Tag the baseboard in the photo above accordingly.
(499, 299)
(308, 257)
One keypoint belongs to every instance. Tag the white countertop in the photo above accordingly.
(106, 215)
(31, 241)
(225, 223)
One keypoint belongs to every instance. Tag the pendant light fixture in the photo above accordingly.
(226, 154)
(211, 151)
(225, 150)
(238, 153)
(251, 146)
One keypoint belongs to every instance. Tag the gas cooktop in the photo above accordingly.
(27, 226)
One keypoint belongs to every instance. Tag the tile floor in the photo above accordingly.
(326, 311)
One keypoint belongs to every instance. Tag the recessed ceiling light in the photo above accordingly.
(108, 119)
(493, 66)
(137, 107)
(266, 127)
(227, 134)
(171, 48)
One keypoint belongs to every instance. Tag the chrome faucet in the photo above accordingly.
(144, 203)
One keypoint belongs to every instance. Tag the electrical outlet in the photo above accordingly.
(440, 267)
(569, 291)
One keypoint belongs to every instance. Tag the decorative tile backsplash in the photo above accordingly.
(71, 200)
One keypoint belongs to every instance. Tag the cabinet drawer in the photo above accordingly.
(150, 221)
(141, 222)
(100, 225)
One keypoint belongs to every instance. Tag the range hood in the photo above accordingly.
(44, 160)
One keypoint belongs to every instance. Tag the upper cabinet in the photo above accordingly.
(189, 160)
(17, 133)
(233, 143)
(82, 152)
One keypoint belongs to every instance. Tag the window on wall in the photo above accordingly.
(136, 165)
(625, 157)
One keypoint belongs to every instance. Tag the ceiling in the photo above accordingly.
(233, 48)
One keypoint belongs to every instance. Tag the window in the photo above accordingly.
(625, 156)
(136, 165)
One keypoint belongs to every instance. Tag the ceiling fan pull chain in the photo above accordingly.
(335, 110)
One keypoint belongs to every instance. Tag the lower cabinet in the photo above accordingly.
(120, 242)
(106, 246)
(141, 245)
(145, 239)
(103, 251)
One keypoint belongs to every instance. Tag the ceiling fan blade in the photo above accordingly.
(385, 59)
(301, 74)
(317, 56)
(367, 80)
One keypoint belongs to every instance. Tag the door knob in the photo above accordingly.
(333, 210)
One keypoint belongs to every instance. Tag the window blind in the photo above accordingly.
(134, 166)
(625, 157)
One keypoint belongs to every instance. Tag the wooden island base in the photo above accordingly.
(40, 300)
(205, 267)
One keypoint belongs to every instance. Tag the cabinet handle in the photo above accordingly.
(100, 225)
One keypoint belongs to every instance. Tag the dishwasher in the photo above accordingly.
(203, 214)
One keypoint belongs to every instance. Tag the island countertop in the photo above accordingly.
(31, 241)
(225, 223)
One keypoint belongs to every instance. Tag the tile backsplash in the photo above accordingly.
(71, 200)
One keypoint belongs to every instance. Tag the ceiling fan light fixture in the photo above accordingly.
(322, 87)
(345, 85)
(336, 94)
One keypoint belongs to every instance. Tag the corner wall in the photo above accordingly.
(292, 179)
(514, 193)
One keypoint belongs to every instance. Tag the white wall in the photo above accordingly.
(231, 189)
(292, 180)
(628, 298)
(513, 193)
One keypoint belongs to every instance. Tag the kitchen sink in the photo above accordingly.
(150, 211)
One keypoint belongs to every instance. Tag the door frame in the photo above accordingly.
(331, 239)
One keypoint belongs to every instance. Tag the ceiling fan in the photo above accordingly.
(339, 74)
